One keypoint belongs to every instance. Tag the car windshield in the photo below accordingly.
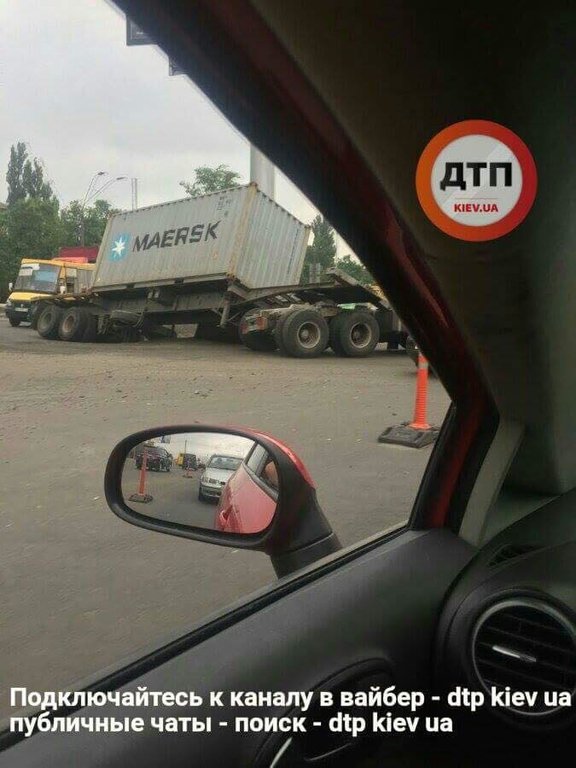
(201, 242)
(37, 277)
(224, 462)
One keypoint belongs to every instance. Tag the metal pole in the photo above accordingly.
(142, 484)
(84, 201)
(134, 183)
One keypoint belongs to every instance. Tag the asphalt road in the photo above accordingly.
(81, 589)
(173, 496)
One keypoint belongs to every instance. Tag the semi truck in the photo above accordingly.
(43, 278)
(229, 262)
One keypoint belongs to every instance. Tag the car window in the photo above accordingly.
(224, 462)
(107, 130)
(269, 474)
(256, 457)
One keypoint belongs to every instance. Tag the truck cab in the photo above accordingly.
(38, 278)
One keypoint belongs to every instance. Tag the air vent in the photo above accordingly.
(526, 645)
(511, 551)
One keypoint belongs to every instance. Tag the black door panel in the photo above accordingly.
(383, 605)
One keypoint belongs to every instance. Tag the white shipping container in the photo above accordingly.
(237, 234)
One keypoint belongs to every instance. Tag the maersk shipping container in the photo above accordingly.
(236, 234)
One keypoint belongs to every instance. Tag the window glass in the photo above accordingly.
(107, 129)
(37, 277)
(255, 458)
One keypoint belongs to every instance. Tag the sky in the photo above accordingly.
(85, 102)
(205, 444)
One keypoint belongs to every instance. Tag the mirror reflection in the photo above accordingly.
(216, 481)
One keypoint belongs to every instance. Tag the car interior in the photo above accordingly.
(478, 592)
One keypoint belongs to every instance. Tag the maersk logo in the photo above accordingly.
(172, 237)
(119, 248)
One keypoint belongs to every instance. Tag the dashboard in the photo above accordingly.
(508, 627)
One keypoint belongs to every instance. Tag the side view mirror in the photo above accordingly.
(245, 490)
(10, 287)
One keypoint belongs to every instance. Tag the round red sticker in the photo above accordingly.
(476, 180)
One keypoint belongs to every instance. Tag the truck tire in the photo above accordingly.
(212, 332)
(304, 333)
(354, 334)
(72, 324)
(49, 321)
(412, 350)
(34, 314)
(277, 333)
(14, 321)
(91, 329)
(258, 341)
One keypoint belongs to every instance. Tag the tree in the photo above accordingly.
(15, 173)
(95, 218)
(29, 228)
(34, 229)
(207, 179)
(34, 184)
(8, 263)
(355, 269)
(323, 249)
(25, 177)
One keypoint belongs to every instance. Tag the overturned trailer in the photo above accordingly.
(229, 262)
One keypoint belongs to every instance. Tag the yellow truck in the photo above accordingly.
(41, 278)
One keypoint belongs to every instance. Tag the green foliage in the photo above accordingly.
(30, 227)
(18, 157)
(322, 252)
(207, 179)
(355, 269)
(33, 226)
(34, 183)
(8, 269)
(25, 177)
(95, 219)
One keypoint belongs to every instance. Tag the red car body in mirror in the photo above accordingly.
(247, 503)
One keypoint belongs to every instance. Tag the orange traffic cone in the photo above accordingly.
(141, 495)
(420, 406)
(416, 433)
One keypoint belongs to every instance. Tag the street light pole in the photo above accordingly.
(89, 197)
(105, 186)
(83, 203)
(134, 183)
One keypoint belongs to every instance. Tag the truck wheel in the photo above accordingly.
(14, 321)
(258, 341)
(211, 332)
(354, 334)
(278, 331)
(72, 325)
(412, 350)
(34, 314)
(49, 321)
(91, 329)
(304, 333)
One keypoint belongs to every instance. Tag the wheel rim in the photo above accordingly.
(68, 324)
(45, 320)
(308, 335)
(360, 335)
